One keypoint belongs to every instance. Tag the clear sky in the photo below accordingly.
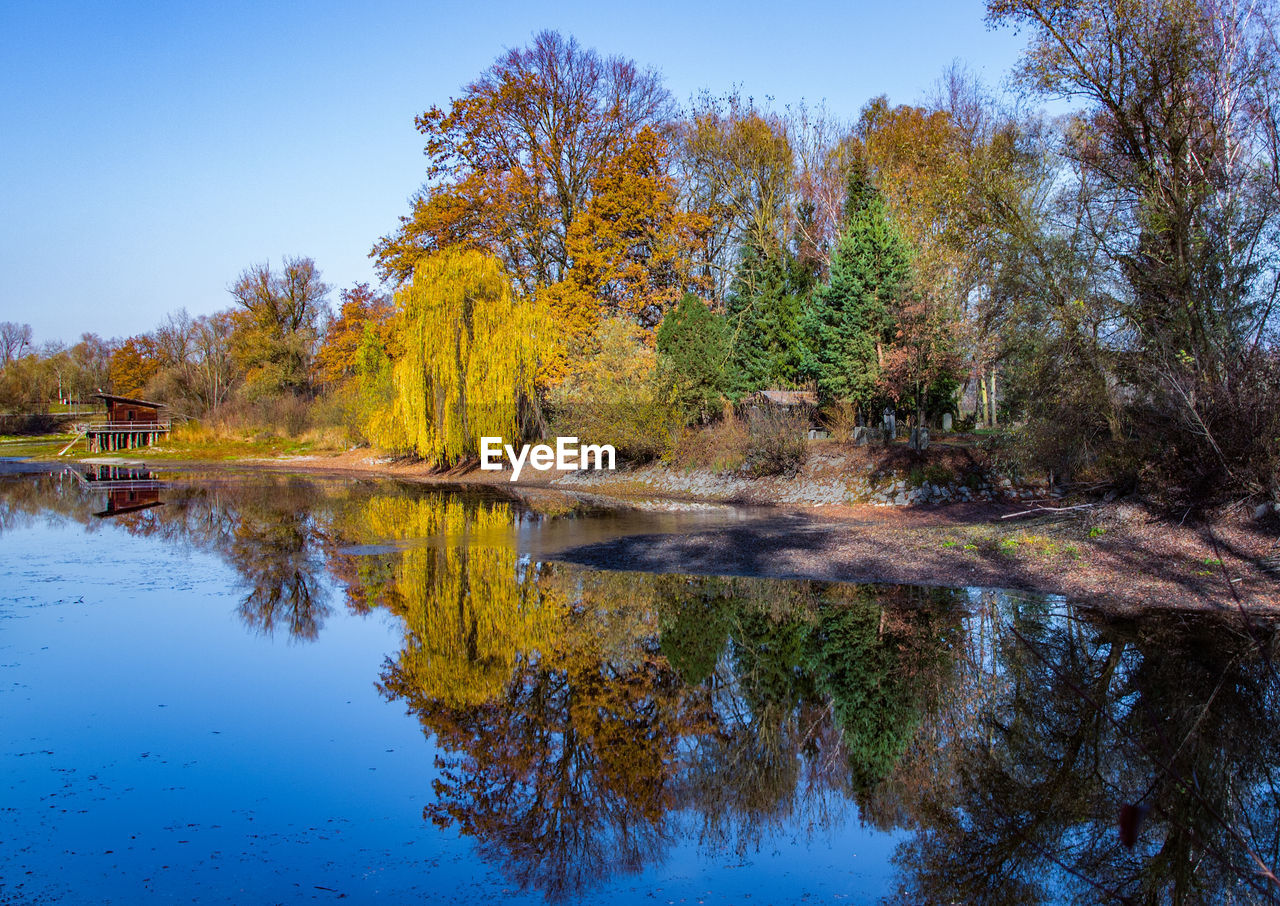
(150, 151)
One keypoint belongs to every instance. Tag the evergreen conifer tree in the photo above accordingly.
(849, 321)
(691, 346)
(765, 306)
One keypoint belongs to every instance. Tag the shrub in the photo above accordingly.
(776, 443)
(840, 419)
(615, 397)
(1208, 438)
(719, 447)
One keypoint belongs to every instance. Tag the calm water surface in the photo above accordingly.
(265, 688)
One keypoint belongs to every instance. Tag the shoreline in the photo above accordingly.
(1115, 557)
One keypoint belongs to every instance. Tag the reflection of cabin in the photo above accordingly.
(130, 423)
(125, 500)
(128, 490)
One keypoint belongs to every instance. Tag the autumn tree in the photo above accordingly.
(1176, 153)
(470, 354)
(512, 160)
(616, 394)
(631, 250)
(278, 325)
(362, 309)
(738, 168)
(133, 366)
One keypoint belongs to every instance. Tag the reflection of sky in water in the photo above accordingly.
(153, 748)
(261, 691)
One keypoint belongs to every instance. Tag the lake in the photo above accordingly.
(260, 687)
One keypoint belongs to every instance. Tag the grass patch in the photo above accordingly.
(39, 446)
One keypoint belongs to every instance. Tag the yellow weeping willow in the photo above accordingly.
(470, 354)
(469, 609)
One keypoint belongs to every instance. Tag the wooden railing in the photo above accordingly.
(111, 427)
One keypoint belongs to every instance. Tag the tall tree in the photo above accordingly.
(849, 321)
(278, 325)
(511, 162)
(470, 357)
(362, 309)
(691, 349)
(14, 340)
(738, 170)
(1177, 151)
(765, 307)
(631, 249)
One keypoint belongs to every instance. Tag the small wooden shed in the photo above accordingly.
(123, 410)
(787, 400)
(130, 423)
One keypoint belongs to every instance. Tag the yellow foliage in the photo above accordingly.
(615, 395)
(469, 611)
(470, 354)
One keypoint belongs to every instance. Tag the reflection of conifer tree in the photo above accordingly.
(874, 699)
(694, 619)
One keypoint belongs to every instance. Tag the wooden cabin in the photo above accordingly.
(122, 409)
(786, 400)
(802, 403)
(129, 423)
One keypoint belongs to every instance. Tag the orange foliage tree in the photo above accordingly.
(133, 366)
(362, 309)
(631, 250)
(512, 161)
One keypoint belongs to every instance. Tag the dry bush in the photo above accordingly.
(776, 443)
(322, 421)
(840, 420)
(616, 397)
(1210, 440)
(719, 447)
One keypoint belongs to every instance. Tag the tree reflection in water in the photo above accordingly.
(1063, 723)
(587, 720)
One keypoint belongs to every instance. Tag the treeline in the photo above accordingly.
(1105, 281)
(588, 257)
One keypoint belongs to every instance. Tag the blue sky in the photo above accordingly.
(151, 151)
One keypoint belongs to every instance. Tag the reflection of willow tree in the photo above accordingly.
(565, 772)
(468, 617)
(1172, 716)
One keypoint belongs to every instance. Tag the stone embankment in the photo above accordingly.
(825, 480)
